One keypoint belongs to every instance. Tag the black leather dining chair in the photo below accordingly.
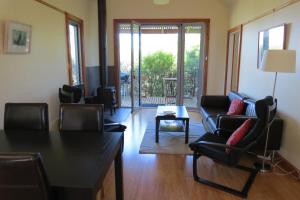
(81, 117)
(26, 117)
(22, 176)
(214, 146)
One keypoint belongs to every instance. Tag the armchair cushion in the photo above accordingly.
(236, 107)
(239, 133)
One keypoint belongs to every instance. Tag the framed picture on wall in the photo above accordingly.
(17, 38)
(272, 38)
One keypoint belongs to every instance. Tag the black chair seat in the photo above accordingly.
(216, 153)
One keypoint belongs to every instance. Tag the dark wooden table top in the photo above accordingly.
(75, 163)
(180, 112)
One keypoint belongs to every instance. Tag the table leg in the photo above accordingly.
(119, 175)
(157, 130)
(187, 131)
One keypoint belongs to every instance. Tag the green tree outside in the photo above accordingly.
(159, 65)
(155, 67)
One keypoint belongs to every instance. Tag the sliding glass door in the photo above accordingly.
(135, 65)
(161, 64)
(191, 64)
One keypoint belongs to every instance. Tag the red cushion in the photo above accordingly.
(236, 107)
(239, 133)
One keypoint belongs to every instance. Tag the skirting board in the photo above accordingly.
(286, 165)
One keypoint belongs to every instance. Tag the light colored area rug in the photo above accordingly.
(169, 142)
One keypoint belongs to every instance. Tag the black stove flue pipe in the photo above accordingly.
(102, 42)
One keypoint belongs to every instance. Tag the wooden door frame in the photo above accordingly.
(68, 18)
(158, 21)
(236, 29)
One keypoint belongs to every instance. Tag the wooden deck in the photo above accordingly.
(154, 101)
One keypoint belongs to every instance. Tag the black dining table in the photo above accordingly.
(76, 163)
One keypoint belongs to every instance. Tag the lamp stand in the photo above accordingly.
(263, 166)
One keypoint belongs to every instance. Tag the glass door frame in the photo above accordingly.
(135, 105)
(181, 62)
(117, 22)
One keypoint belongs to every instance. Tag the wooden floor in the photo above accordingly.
(169, 177)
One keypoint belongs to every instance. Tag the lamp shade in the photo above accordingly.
(279, 61)
(161, 2)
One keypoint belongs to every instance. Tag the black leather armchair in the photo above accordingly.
(214, 146)
(213, 110)
(105, 96)
(22, 176)
(71, 94)
(26, 117)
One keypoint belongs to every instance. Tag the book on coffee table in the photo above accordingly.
(169, 112)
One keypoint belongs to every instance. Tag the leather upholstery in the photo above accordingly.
(215, 101)
(26, 117)
(105, 96)
(207, 112)
(215, 118)
(255, 134)
(81, 117)
(22, 176)
(71, 94)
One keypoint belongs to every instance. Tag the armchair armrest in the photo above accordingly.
(217, 101)
(112, 124)
(231, 123)
(225, 146)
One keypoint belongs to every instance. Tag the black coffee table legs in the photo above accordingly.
(185, 121)
(157, 130)
(186, 130)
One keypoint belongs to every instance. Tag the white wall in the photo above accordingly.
(36, 77)
(244, 10)
(258, 84)
(216, 10)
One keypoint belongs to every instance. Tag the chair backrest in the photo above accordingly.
(26, 117)
(265, 111)
(81, 117)
(22, 176)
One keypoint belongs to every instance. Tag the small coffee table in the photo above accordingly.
(180, 113)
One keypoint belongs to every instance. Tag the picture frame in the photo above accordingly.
(271, 38)
(17, 38)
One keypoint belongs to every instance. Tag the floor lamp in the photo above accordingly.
(276, 61)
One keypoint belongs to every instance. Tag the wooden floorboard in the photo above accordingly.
(169, 177)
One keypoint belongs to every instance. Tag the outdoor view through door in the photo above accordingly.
(161, 64)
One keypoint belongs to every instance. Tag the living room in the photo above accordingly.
(37, 75)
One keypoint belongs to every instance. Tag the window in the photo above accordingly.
(76, 65)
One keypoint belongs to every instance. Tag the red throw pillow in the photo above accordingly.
(239, 133)
(236, 107)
